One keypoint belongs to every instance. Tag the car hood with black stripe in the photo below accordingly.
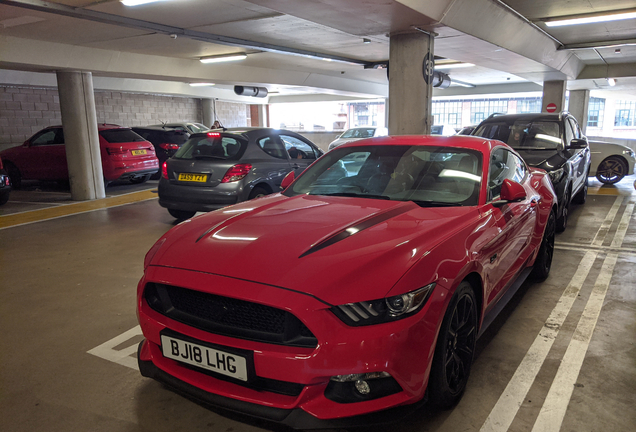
(334, 248)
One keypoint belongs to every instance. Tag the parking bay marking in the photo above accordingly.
(506, 408)
(123, 357)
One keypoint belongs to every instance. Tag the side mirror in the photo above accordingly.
(577, 144)
(289, 179)
(511, 191)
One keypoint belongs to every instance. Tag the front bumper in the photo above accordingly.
(402, 348)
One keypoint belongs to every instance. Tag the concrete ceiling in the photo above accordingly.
(289, 41)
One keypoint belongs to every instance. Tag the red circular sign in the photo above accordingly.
(551, 107)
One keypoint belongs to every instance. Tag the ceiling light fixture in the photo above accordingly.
(201, 84)
(366, 40)
(591, 19)
(611, 82)
(223, 58)
(457, 65)
(137, 2)
(462, 83)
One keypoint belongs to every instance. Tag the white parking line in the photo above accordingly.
(556, 403)
(607, 223)
(123, 356)
(510, 401)
(621, 231)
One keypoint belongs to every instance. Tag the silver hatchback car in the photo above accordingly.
(219, 168)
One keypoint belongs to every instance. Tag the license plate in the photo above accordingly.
(218, 361)
(138, 152)
(201, 178)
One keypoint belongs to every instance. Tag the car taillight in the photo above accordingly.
(164, 170)
(214, 134)
(169, 146)
(236, 173)
(116, 150)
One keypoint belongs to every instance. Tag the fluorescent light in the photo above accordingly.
(591, 19)
(223, 58)
(453, 65)
(462, 83)
(611, 82)
(201, 84)
(137, 2)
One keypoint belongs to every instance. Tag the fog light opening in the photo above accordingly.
(362, 387)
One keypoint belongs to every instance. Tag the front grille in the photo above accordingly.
(228, 316)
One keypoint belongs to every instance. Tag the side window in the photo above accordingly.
(520, 169)
(50, 137)
(272, 147)
(503, 165)
(297, 149)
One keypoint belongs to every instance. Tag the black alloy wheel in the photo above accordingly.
(562, 221)
(611, 170)
(543, 263)
(455, 349)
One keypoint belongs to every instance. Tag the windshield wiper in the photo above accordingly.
(436, 204)
(351, 194)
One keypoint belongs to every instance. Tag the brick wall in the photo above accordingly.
(26, 110)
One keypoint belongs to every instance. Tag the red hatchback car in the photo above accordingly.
(125, 156)
(361, 288)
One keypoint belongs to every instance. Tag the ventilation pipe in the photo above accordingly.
(260, 92)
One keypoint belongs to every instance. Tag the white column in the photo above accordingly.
(553, 93)
(79, 121)
(578, 107)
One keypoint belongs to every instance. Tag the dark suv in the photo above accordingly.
(223, 167)
(552, 142)
(165, 140)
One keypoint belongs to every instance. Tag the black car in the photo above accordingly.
(223, 167)
(552, 142)
(5, 185)
(165, 140)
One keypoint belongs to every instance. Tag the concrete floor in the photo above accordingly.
(561, 356)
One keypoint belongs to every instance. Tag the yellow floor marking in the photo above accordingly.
(80, 207)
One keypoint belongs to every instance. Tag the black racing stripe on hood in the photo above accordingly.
(354, 229)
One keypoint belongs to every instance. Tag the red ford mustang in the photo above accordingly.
(362, 287)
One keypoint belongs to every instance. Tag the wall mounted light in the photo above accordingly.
(223, 58)
(591, 19)
(456, 65)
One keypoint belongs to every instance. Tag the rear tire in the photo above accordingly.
(611, 170)
(181, 214)
(258, 192)
(455, 349)
(581, 196)
(14, 175)
(543, 263)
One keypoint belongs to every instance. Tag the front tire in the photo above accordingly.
(543, 263)
(258, 192)
(181, 214)
(455, 349)
(611, 170)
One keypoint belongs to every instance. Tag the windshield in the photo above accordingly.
(426, 175)
(116, 136)
(524, 135)
(211, 147)
(359, 133)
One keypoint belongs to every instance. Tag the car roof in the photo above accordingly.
(100, 126)
(157, 129)
(511, 118)
(245, 131)
(479, 144)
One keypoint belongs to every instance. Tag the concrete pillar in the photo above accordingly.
(553, 93)
(386, 112)
(79, 121)
(208, 108)
(579, 103)
(410, 97)
(263, 120)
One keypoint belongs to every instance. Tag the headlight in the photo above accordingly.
(630, 152)
(383, 310)
(556, 175)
